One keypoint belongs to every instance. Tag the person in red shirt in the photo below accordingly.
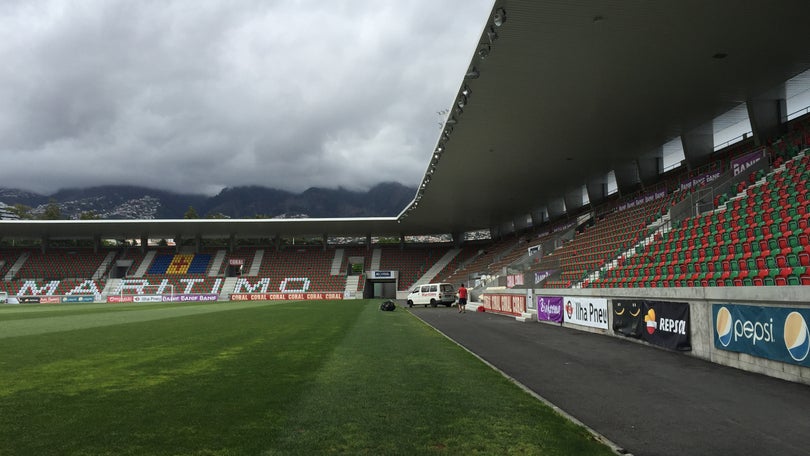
(462, 299)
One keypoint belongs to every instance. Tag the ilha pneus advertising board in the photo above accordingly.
(777, 333)
(661, 323)
(591, 312)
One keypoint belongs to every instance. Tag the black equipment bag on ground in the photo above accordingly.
(388, 305)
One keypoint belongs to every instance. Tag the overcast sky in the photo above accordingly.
(195, 95)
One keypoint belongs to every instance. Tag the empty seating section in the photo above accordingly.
(8, 258)
(313, 263)
(61, 264)
(761, 237)
(412, 263)
(446, 274)
(486, 255)
(608, 238)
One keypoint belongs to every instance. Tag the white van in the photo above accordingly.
(432, 294)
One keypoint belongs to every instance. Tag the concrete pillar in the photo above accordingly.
(522, 222)
(650, 165)
(539, 216)
(768, 114)
(368, 241)
(232, 243)
(144, 242)
(197, 243)
(495, 232)
(698, 146)
(597, 190)
(573, 200)
(556, 208)
(458, 239)
(96, 243)
(627, 179)
(325, 240)
(277, 242)
(178, 241)
(43, 244)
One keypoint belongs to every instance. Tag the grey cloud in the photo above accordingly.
(194, 96)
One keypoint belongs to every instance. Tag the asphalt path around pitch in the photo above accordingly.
(649, 401)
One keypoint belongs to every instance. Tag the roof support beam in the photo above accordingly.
(767, 114)
(627, 179)
(597, 190)
(539, 216)
(556, 208)
(650, 165)
(573, 200)
(698, 145)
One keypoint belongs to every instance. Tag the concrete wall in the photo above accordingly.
(700, 302)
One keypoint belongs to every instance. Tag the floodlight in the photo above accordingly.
(462, 101)
(472, 73)
(499, 17)
(483, 51)
(492, 35)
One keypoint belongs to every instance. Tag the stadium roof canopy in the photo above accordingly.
(567, 92)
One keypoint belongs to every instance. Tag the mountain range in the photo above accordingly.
(137, 203)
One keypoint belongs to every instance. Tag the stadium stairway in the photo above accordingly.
(144, 266)
(437, 267)
(256, 266)
(227, 288)
(17, 266)
(104, 266)
(352, 284)
(216, 264)
(112, 284)
(337, 262)
(376, 259)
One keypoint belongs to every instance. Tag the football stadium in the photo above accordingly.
(623, 188)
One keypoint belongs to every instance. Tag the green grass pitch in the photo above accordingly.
(332, 377)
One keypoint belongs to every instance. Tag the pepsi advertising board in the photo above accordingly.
(777, 333)
(666, 324)
(627, 318)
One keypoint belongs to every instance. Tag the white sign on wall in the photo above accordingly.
(586, 311)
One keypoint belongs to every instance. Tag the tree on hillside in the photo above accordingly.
(191, 213)
(52, 211)
(21, 210)
(89, 215)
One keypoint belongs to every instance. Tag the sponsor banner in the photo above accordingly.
(382, 274)
(777, 333)
(28, 299)
(514, 280)
(550, 308)
(509, 304)
(78, 299)
(147, 298)
(666, 324)
(285, 296)
(646, 198)
(627, 317)
(117, 299)
(540, 276)
(702, 179)
(586, 311)
(743, 162)
(50, 299)
(236, 262)
(189, 298)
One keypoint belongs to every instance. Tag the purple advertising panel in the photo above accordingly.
(189, 297)
(550, 308)
(741, 163)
